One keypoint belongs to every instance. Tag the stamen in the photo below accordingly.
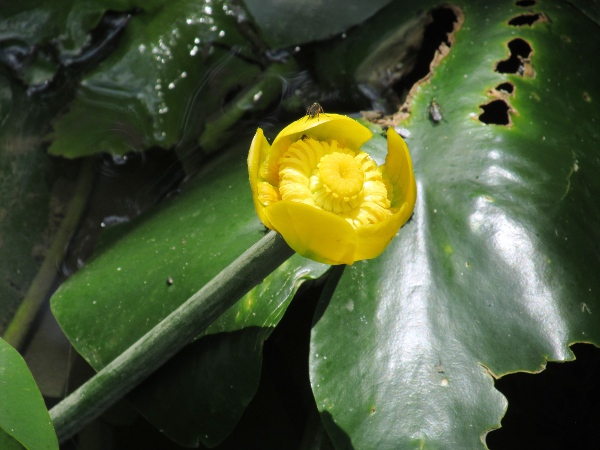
(267, 194)
(342, 174)
(333, 178)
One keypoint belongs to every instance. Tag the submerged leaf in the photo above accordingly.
(24, 195)
(153, 89)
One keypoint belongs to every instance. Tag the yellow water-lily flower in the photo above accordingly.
(329, 200)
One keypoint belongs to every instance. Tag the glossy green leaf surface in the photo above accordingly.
(143, 276)
(496, 271)
(152, 91)
(24, 419)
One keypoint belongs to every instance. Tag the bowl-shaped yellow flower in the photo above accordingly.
(328, 199)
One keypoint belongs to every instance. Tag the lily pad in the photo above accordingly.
(497, 270)
(24, 419)
(139, 278)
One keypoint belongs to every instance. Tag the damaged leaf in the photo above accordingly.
(487, 277)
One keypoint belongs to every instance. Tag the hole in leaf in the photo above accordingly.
(525, 3)
(509, 88)
(436, 34)
(518, 62)
(527, 19)
(495, 112)
(553, 409)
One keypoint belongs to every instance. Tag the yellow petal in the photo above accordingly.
(399, 172)
(258, 153)
(313, 233)
(374, 238)
(326, 127)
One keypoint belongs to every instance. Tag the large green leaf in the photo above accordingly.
(497, 270)
(24, 419)
(141, 277)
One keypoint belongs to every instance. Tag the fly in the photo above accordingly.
(314, 110)
(435, 112)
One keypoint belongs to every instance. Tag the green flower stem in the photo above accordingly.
(266, 90)
(18, 329)
(178, 329)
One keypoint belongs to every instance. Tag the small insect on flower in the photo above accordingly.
(304, 137)
(314, 110)
(435, 112)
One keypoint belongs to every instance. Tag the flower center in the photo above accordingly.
(342, 175)
(333, 178)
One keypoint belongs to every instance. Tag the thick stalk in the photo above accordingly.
(20, 325)
(178, 329)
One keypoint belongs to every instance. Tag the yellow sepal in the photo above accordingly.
(314, 233)
(399, 172)
(257, 154)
